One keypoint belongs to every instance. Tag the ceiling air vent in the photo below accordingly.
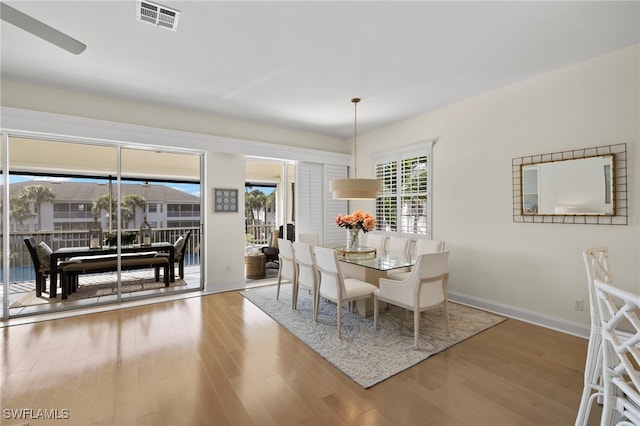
(160, 16)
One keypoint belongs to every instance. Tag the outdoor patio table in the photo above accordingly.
(68, 252)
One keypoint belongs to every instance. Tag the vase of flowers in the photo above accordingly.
(356, 222)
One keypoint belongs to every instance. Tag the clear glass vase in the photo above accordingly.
(353, 239)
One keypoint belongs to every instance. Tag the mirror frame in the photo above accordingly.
(619, 176)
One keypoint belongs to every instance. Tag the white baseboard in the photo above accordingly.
(557, 324)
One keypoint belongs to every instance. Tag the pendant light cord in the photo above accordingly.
(355, 137)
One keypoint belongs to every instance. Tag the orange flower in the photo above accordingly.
(357, 220)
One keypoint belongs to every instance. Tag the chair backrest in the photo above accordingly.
(181, 245)
(398, 245)
(305, 260)
(376, 241)
(620, 330)
(424, 246)
(428, 267)
(311, 238)
(286, 258)
(291, 232)
(596, 262)
(331, 281)
(31, 246)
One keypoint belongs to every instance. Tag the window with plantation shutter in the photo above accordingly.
(403, 205)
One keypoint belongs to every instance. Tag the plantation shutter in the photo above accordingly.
(403, 205)
(333, 235)
(316, 208)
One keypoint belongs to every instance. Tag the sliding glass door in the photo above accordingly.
(63, 193)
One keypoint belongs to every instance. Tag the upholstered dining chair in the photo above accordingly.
(596, 262)
(620, 330)
(422, 246)
(335, 287)
(287, 264)
(311, 238)
(398, 245)
(425, 288)
(307, 273)
(40, 256)
(376, 241)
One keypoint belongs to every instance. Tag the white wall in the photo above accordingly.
(534, 269)
(531, 270)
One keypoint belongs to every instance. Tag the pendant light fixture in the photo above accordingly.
(355, 189)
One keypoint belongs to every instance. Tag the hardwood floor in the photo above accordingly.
(219, 360)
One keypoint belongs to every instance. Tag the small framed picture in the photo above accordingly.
(225, 200)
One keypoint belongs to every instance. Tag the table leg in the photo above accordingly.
(53, 277)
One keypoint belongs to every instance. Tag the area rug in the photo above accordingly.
(97, 286)
(365, 355)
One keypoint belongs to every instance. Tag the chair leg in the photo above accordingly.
(294, 296)
(39, 284)
(416, 327)
(156, 273)
(278, 288)
(181, 268)
(375, 312)
(339, 312)
(64, 282)
(166, 274)
(592, 378)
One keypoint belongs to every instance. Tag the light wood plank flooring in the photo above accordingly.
(218, 360)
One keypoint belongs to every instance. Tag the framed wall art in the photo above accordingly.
(225, 200)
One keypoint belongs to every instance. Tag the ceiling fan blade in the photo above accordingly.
(40, 29)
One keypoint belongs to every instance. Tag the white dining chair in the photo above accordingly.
(596, 262)
(287, 265)
(398, 245)
(307, 273)
(422, 246)
(620, 330)
(376, 241)
(311, 238)
(425, 288)
(336, 288)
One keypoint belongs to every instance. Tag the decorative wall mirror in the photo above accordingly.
(587, 186)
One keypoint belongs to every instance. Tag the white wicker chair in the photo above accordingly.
(620, 328)
(596, 262)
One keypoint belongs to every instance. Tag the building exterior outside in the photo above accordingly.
(72, 206)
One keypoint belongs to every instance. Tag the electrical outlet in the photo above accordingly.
(578, 305)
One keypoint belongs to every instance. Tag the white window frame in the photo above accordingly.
(422, 149)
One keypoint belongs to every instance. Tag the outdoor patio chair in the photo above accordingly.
(41, 262)
(178, 257)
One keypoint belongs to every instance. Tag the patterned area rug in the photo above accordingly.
(366, 355)
(99, 285)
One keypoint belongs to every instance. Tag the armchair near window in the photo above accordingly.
(425, 288)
